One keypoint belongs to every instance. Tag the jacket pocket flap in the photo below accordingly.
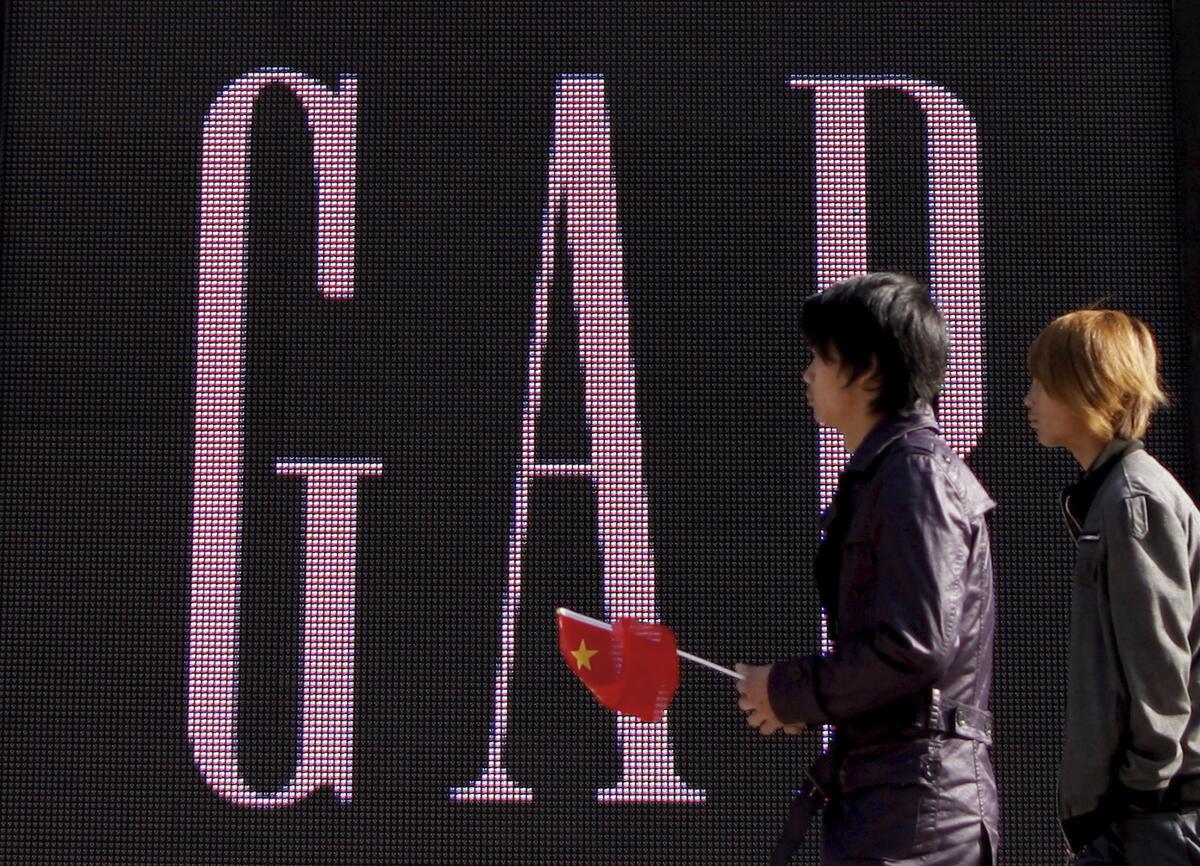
(1135, 514)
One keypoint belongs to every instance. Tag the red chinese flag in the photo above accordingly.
(632, 669)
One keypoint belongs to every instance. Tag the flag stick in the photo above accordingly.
(578, 617)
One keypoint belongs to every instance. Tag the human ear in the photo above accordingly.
(872, 377)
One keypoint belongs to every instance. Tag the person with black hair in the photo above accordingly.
(904, 574)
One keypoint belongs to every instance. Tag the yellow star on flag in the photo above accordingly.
(583, 655)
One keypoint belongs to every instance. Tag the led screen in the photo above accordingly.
(342, 343)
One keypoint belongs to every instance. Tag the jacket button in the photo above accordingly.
(930, 770)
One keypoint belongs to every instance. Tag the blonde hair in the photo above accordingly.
(1102, 364)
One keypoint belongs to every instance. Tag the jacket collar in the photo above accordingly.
(1115, 448)
(1077, 499)
(888, 431)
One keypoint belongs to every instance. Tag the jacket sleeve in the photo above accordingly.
(920, 541)
(1148, 578)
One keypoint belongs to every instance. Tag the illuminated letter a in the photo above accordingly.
(582, 196)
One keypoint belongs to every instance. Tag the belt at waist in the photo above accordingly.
(955, 720)
(929, 714)
(1182, 792)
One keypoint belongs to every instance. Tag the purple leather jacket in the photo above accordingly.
(905, 574)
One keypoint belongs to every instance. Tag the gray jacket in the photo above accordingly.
(1132, 719)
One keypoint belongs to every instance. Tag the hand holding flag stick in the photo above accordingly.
(755, 701)
(631, 667)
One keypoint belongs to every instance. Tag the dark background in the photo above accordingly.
(1088, 162)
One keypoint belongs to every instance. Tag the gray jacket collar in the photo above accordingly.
(1111, 450)
(1078, 498)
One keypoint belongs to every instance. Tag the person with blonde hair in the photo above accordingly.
(1129, 780)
